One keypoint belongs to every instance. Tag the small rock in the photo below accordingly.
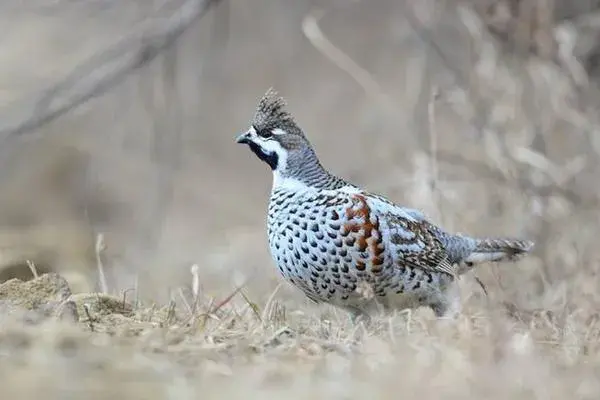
(47, 296)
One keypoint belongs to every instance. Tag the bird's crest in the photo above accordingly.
(271, 110)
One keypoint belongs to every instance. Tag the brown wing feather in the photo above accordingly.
(412, 241)
(406, 234)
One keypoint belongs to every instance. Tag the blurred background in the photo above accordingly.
(118, 121)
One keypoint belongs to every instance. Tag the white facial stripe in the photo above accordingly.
(278, 131)
(271, 146)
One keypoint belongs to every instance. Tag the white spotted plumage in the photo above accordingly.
(331, 239)
(305, 234)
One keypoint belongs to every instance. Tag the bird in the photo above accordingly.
(344, 246)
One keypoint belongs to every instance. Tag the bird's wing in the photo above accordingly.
(410, 238)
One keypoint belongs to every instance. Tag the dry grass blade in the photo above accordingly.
(226, 300)
(253, 306)
(100, 247)
(32, 268)
(269, 304)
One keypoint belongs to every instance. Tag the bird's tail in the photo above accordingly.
(500, 249)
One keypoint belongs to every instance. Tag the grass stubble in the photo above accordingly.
(234, 348)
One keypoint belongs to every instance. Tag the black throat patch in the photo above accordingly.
(269, 158)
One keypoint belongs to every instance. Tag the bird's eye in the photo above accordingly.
(264, 133)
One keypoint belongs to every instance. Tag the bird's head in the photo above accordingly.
(276, 139)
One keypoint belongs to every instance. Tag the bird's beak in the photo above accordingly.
(243, 138)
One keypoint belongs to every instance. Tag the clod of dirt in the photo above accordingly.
(105, 313)
(101, 304)
(47, 296)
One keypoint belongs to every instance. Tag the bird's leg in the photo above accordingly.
(447, 304)
(357, 316)
(439, 309)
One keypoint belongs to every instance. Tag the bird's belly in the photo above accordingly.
(324, 277)
(414, 287)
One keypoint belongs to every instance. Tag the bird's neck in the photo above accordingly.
(288, 183)
(302, 170)
(307, 181)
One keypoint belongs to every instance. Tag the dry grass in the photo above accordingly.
(429, 110)
(303, 354)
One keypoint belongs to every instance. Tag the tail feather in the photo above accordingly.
(501, 249)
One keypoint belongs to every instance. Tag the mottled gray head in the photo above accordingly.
(276, 139)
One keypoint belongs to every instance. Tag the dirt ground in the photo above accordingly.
(432, 104)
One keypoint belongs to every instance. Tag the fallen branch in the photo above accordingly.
(103, 71)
